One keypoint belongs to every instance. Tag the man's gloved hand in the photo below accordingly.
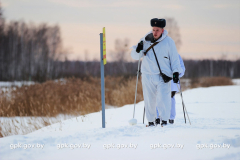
(173, 94)
(139, 47)
(175, 77)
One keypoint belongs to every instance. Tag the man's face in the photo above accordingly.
(157, 32)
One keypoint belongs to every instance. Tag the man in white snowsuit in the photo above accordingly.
(156, 88)
(174, 89)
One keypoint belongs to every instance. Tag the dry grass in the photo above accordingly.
(210, 81)
(1, 134)
(73, 97)
(79, 97)
(69, 97)
(121, 91)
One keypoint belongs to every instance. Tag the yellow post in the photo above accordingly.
(104, 47)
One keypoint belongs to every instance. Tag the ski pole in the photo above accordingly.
(136, 85)
(184, 107)
(143, 114)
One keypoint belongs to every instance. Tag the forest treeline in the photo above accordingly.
(81, 69)
(29, 51)
(194, 68)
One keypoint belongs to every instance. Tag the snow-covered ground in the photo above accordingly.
(236, 81)
(15, 83)
(24, 125)
(6, 86)
(214, 113)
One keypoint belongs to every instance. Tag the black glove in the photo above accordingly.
(139, 47)
(175, 77)
(173, 94)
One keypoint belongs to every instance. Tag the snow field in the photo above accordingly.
(214, 114)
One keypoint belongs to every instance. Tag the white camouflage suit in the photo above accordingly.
(157, 93)
(175, 88)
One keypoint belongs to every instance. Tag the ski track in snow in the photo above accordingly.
(214, 114)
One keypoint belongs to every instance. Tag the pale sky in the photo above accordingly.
(208, 28)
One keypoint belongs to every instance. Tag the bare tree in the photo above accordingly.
(120, 53)
(121, 48)
(1, 41)
(173, 31)
(1, 13)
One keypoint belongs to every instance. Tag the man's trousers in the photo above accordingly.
(156, 93)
